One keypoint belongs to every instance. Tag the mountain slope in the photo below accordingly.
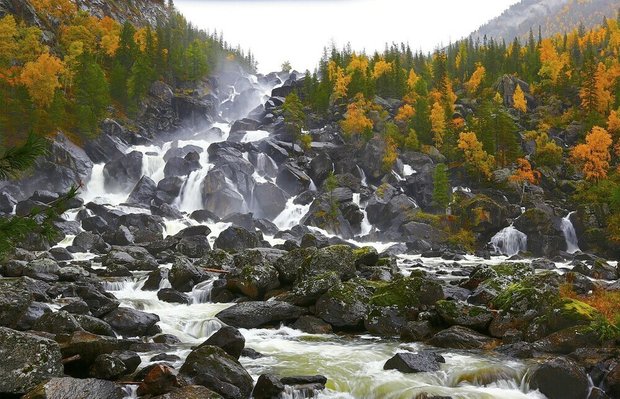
(552, 16)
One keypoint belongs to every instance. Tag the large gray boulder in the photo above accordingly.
(75, 388)
(269, 199)
(121, 174)
(257, 314)
(27, 360)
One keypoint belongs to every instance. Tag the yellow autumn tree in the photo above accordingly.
(552, 61)
(475, 80)
(476, 158)
(520, 103)
(613, 123)
(438, 123)
(381, 68)
(30, 46)
(355, 121)
(341, 81)
(358, 63)
(41, 78)
(593, 157)
(390, 154)
(8, 41)
(524, 173)
(110, 35)
(58, 9)
(405, 113)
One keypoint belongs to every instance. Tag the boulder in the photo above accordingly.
(107, 367)
(312, 325)
(458, 337)
(235, 239)
(59, 322)
(173, 296)
(27, 360)
(257, 314)
(160, 379)
(143, 192)
(194, 247)
(270, 199)
(560, 378)
(423, 362)
(337, 258)
(122, 173)
(253, 275)
(94, 325)
(177, 166)
(229, 339)
(344, 305)
(213, 368)
(183, 276)
(74, 388)
(293, 179)
(132, 323)
(268, 386)
(190, 392)
(463, 314)
(15, 301)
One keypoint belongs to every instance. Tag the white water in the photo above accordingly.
(572, 244)
(366, 226)
(254, 135)
(509, 241)
(291, 215)
(408, 171)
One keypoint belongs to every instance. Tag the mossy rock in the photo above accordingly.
(517, 270)
(408, 292)
(345, 305)
(366, 256)
(569, 312)
(336, 258)
(307, 292)
(520, 298)
(464, 314)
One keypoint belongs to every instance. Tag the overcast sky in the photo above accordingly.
(297, 30)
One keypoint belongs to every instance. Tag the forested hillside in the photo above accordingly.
(66, 65)
(535, 113)
(549, 17)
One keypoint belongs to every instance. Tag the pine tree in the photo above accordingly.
(441, 187)
(294, 116)
(92, 95)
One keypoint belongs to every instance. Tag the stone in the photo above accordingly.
(74, 388)
(235, 239)
(268, 386)
(422, 362)
(229, 339)
(458, 337)
(312, 325)
(560, 378)
(171, 295)
(132, 323)
(107, 367)
(160, 379)
(257, 314)
(27, 360)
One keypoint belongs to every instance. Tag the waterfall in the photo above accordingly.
(190, 196)
(95, 189)
(291, 215)
(408, 171)
(266, 166)
(572, 244)
(362, 176)
(254, 135)
(366, 227)
(509, 241)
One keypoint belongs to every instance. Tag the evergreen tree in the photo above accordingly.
(441, 187)
(91, 95)
(294, 116)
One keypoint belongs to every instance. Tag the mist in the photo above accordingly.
(297, 31)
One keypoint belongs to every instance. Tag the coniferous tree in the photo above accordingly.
(92, 95)
(441, 187)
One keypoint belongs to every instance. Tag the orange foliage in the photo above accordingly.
(438, 123)
(358, 63)
(613, 123)
(594, 156)
(476, 78)
(41, 78)
(552, 62)
(59, 9)
(525, 173)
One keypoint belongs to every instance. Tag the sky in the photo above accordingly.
(298, 30)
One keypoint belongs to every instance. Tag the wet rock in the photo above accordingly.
(270, 199)
(560, 378)
(132, 323)
(235, 239)
(177, 166)
(122, 173)
(458, 337)
(107, 367)
(27, 360)
(172, 296)
(268, 386)
(344, 305)
(160, 379)
(309, 290)
(414, 331)
(335, 258)
(35, 311)
(87, 241)
(168, 339)
(422, 362)
(57, 323)
(98, 301)
(74, 388)
(130, 359)
(462, 314)
(165, 357)
(194, 247)
(184, 276)
(253, 275)
(143, 192)
(229, 339)
(190, 392)
(289, 265)
(94, 325)
(293, 179)
(60, 254)
(256, 314)
(312, 325)
(14, 303)
(213, 368)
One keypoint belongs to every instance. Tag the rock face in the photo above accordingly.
(27, 360)
(213, 368)
(560, 379)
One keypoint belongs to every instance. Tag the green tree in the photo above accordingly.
(294, 116)
(331, 183)
(92, 95)
(441, 187)
(422, 118)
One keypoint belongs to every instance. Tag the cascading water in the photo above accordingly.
(572, 243)
(366, 227)
(509, 241)
(362, 176)
(291, 215)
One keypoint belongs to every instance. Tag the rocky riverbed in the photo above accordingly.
(209, 259)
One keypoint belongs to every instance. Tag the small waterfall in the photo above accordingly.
(509, 241)
(572, 244)
(366, 227)
(266, 166)
(153, 165)
(254, 135)
(291, 215)
(362, 176)
(190, 196)
(408, 171)
(201, 293)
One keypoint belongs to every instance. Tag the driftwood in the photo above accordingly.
(215, 270)
(71, 359)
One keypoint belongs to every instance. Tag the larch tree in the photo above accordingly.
(41, 78)
(475, 80)
(476, 158)
(524, 174)
(356, 122)
(593, 157)
(438, 123)
(519, 101)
